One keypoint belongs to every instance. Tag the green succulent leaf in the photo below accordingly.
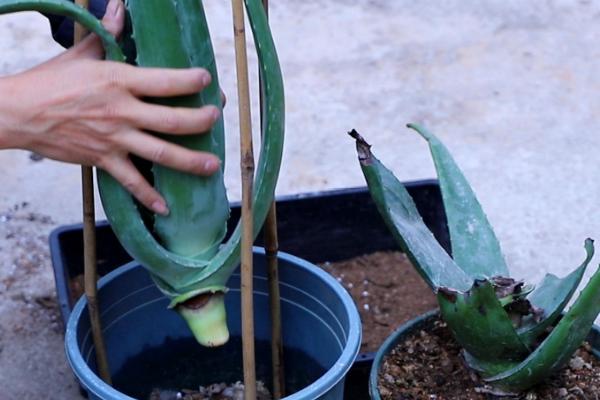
(176, 274)
(480, 324)
(487, 368)
(197, 203)
(404, 221)
(271, 151)
(475, 247)
(558, 347)
(551, 296)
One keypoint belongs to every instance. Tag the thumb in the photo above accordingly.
(114, 16)
(113, 20)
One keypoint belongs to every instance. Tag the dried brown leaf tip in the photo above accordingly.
(362, 148)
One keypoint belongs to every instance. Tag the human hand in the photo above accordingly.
(77, 109)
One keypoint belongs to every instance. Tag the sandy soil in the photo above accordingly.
(510, 86)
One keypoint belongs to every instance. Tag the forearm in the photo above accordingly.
(9, 113)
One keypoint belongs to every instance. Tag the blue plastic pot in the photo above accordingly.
(321, 333)
(423, 322)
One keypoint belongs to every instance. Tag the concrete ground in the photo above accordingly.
(511, 87)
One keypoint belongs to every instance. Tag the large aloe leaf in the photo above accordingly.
(480, 324)
(404, 221)
(552, 296)
(558, 347)
(273, 127)
(475, 247)
(177, 275)
(197, 203)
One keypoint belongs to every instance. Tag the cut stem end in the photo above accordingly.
(205, 315)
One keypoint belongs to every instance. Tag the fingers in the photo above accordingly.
(114, 17)
(175, 120)
(160, 82)
(168, 154)
(91, 45)
(123, 170)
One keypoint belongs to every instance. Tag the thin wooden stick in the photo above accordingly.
(271, 250)
(89, 248)
(90, 272)
(247, 167)
(79, 31)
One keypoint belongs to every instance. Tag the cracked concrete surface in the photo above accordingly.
(511, 87)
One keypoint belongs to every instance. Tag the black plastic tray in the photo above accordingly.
(319, 227)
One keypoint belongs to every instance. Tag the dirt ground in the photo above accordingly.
(31, 348)
(510, 86)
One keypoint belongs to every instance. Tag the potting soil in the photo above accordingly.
(387, 291)
(217, 391)
(182, 367)
(428, 365)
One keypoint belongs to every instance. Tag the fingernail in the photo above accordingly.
(118, 8)
(216, 114)
(160, 208)
(211, 165)
(113, 7)
(205, 79)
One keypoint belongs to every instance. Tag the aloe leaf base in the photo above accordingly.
(205, 315)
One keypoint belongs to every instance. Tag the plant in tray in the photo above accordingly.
(513, 334)
(184, 251)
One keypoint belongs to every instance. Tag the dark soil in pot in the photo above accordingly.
(428, 365)
(217, 391)
(177, 370)
(387, 291)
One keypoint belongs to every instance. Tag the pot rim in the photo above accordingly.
(332, 377)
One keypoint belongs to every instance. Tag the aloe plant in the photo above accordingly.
(513, 334)
(184, 251)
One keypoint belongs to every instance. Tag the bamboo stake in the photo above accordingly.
(271, 250)
(89, 248)
(247, 171)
